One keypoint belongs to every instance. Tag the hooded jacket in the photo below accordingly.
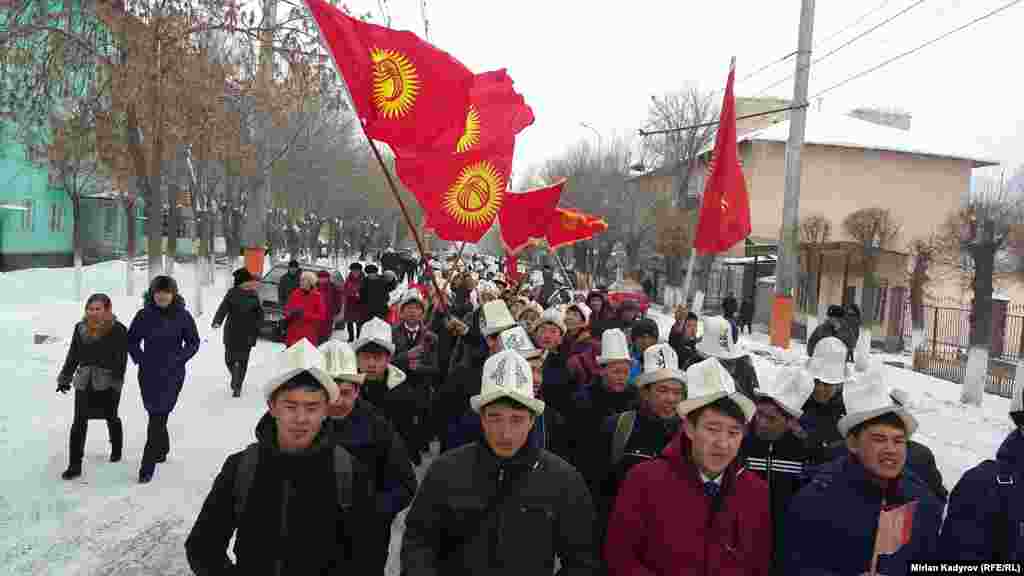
(663, 522)
(831, 523)
(169, 338)
(292, 523)
(549, 432)
(821, 422)
(244, 315)
(308, 325)
(397, 400)
(986, 509)
(479, 514)
(594, 405)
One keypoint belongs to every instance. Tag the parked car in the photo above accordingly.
(621, 291)
(273, 311)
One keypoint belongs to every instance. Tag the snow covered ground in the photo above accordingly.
(107, 524)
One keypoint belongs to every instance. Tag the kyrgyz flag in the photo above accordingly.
(724, 216)
(522, 217)
(461, 194)
(569, 226)
(407, 93)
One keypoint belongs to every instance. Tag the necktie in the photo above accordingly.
(711, 488)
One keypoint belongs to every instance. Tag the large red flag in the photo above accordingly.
(570, 226)
(461, 194)
(725, 212)
(407, 93)
(526, 215)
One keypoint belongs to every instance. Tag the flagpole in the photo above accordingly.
(405, 211)
(689, 275)
(565, 272)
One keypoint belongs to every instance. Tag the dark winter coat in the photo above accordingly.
(288, 283)
(169, 339)
(309, 324)
(478, 514)
(821, 422)
(747, 311)
(559, 387)
(781, 463)
(827, 330)
(920, 461)
(685, 348)
(331, 306)
(374, 442)
(374, 295)
(831, 524)
(401, 403)
(581, 354)
(452, 398)
(244, 318)
(549, 432)
(986, 509)
(663, 523)
(594, 405)
(96, 363)
(292, 524)
(744, 374)
(647, 441)
(354, 309)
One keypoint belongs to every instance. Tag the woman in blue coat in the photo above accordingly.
(169, 338)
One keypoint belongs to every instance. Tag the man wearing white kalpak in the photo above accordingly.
(500, 506)
(862, 513)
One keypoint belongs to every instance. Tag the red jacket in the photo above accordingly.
(313, 314)
(354, 309)
(663, 523)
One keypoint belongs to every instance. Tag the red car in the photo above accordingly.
(619, 292)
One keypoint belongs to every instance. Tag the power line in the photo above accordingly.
(850, 41)
(646, 133)
(918, 48)
(852, 24)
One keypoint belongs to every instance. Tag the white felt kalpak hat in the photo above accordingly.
(660, 363)
(496, 318)
(867, 397)
(517, 339)
(708, 382)
(375, 331)
(507, 375)
(828, 363)
(615, 347)
(717, 341)
(554, 317)
(301, 357)
(411, 296)
(340, 361)
(792, 388)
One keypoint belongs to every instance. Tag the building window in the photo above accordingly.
(27, 215)
(56, 217)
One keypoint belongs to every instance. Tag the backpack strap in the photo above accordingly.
(343, 476)
(243, 477)
(623, 430)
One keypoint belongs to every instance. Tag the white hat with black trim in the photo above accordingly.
(708, 382)
(660, 363)
(792, 388)
(828, 363)
(615, 347)
(717, 341)
(340, 361)
(410, 297)
(507, 375)
(298, 358)
(375, 331)
(517, 339)
(867, 397)
(552, 316)
(496, 318)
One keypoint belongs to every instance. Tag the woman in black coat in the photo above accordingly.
(95, 366)
(241, 306)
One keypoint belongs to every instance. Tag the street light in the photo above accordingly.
(600, 139)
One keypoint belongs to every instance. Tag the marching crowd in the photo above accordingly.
(575, 438)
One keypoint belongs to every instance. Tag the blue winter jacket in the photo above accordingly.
(985, 519)
(168, 339)
(831, 524)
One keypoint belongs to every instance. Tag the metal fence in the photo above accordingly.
(947, 336)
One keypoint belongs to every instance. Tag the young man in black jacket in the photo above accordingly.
(500, 506)
(300, 503)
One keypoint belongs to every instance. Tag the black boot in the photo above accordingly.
(236, 379)
(76, 449)
(116, 430)
(73, 471)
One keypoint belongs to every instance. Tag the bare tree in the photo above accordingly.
(976, 239)
(923, 253)
(815, 231)
(874, 230)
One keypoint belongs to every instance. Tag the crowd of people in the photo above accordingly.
(575, 436)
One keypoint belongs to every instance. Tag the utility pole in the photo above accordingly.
(787, 268)
(255, 236)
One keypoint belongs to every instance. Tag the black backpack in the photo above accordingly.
(250, 459)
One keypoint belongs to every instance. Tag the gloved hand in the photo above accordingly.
(63, 386)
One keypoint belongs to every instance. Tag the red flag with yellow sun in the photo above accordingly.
(461, 194)
(569, 226)
(406, 92)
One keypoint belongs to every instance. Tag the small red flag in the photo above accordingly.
(461, 194)
(895, 528)
(522, 217)
(725, 211)
(407, 92)
(571, 226)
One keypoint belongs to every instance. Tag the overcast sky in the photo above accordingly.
(600, 62)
